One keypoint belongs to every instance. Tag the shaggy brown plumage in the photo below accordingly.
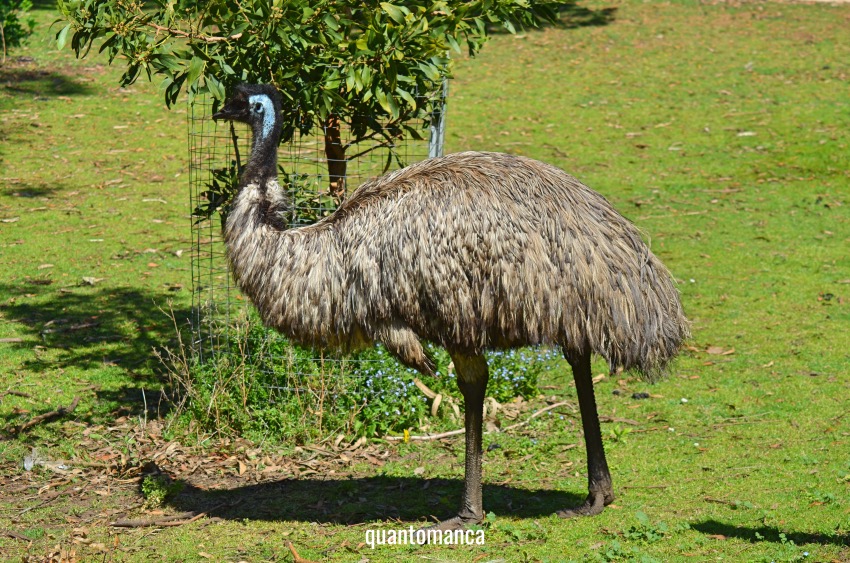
(472, 251)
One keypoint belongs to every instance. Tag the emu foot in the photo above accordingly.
(426, 535)
(456, 523)
(592, 505)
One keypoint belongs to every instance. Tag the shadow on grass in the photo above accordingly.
(573, 16)
(93, 328)
(570, 16)
(365, 499)
(33, 190)
(768, 533)
(20, 80)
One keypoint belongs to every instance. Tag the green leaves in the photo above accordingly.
(388, 103)
(62, 36)
(196, 67)
(295, 44)
(345, 58)
(215, 88)
(330, 21)
(406, 96)
(397, 13)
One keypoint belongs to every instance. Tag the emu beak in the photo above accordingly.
(223, 113)
(233, 110)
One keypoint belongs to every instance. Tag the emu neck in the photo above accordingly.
(260, 195)
(262, 165)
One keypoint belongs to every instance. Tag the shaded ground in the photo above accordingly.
(99, 493)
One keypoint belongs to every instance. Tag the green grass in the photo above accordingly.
(721, 130)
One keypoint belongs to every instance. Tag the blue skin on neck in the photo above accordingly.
(267, 112)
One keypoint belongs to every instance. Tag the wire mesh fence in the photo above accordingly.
(310, 166)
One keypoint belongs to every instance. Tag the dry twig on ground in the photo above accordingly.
(165, 521)
(536, 413)
(61, 411)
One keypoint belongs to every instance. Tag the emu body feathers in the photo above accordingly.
(471, 251)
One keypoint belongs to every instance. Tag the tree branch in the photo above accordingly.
(61, 411)
(428, 437)
(190, 35)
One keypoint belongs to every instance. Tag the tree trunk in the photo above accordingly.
(335, 154)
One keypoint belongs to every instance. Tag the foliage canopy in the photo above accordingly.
(329, 58)
(15, 23)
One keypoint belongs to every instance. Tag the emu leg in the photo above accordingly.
(601, 493)
(472, 380)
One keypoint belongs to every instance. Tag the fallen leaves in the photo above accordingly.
(57, 555)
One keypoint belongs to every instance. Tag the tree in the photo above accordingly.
(15, 23)
(363, 63)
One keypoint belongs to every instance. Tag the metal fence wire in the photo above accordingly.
(218, 309)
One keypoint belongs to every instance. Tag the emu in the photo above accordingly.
(471, 251)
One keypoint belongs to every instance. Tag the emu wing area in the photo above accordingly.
(481, 250)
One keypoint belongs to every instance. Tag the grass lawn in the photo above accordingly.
(721, 129)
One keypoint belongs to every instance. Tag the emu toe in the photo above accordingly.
(592, 505)
(456, 523)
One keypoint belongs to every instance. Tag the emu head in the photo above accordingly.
(258, 105)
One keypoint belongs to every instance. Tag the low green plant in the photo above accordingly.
(34, 533)
(263, 386)
(649, 532)
(738, 505)
(615, 551)
(156, 489)
(788, 550)
(822, 497)
(618, 433)
(514, 532)
(843, 476)
(515, 373)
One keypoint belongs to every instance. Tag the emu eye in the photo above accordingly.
(258, 107)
